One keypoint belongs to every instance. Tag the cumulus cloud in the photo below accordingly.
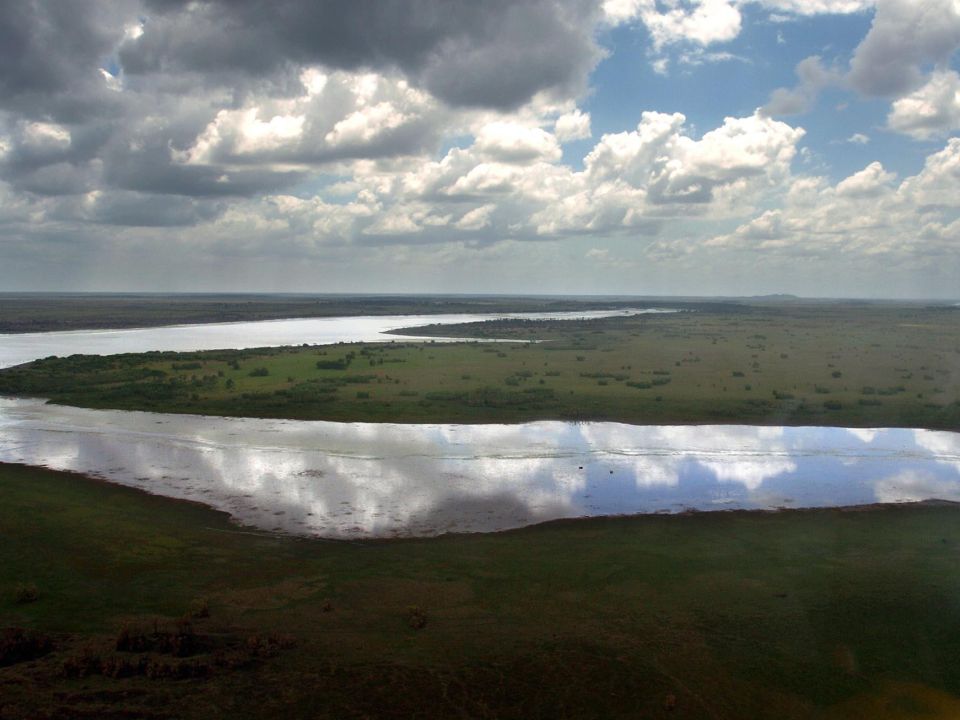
(573, 125)
(867, 213)
(334, 116)
(905, 36)
(697, 22)
(705, 22)
(930, 111)
(432, 129)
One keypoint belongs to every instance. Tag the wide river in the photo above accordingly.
(349, 480)
(17, 348)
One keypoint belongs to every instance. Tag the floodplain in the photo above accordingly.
(117, 603)
(854, 365)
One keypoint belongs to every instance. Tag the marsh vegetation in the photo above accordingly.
(154, 608)
(827, 364)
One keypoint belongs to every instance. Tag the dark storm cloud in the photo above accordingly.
(50, 54)
(122, 108)
(152, 174)
(139, 210)
(496, 54)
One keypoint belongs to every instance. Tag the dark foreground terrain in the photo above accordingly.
(118, 604)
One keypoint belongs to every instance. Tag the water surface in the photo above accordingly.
(19, 348)
(386, 480)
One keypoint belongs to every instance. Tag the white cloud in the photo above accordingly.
(705, 22)
(476, 219)
(573, 125)
(872, 181)
(337, 115)
(858, 139)
(363, 125)
(930, 111)
(507, 141)
(817, 7)
(866, 214)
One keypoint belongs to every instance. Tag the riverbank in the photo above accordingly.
(45, 312)
(833, 365)
(829, 613)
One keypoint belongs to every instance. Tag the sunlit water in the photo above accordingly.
(344, 480)
(23, 347)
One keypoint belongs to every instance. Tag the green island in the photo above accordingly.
(119, 604)
(856, 365)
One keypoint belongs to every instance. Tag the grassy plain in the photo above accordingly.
(827, 613)
(826, 364)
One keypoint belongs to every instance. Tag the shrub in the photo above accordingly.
(415, 617)
(332, 364)
(19, 645)
(832, 405)
(259, 372)
(186, 366)
(25, 593)
(361, 395)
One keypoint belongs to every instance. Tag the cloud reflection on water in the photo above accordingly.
(361, 479)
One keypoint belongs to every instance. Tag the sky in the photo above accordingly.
(649, 147)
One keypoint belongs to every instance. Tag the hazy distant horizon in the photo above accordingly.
(505, 295)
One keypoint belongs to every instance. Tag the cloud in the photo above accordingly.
(813, 77)
(437, 131)
(704, 22)
(574, 125)
(495, 54)
(906, 35)
(670, 21)
(858, 139)
(872, 181)
(334, 116)
(817, 7)
(930, 111)
(866, 214)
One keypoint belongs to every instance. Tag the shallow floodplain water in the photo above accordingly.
(19, 348)
(345, 480)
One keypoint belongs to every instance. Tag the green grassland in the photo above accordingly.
(826, 613)
(829, 364)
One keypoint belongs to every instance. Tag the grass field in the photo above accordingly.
(794, 364)
(162, 609)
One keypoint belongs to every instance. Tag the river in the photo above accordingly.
(358, 480)
(17, 348)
